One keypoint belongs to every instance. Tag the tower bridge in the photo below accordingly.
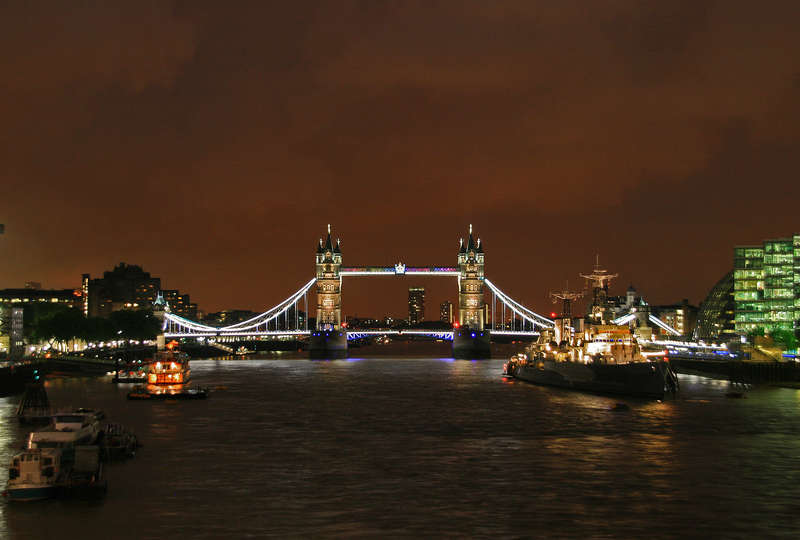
(478, 319)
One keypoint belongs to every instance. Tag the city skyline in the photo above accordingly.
(219, 149)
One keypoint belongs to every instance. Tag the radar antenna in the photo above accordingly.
(599, 277)
(567, 297)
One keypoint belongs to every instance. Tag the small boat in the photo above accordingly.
(34, 475)
(139, 394)
(508, 367)
(67, 430)
(130, 374)
(151, 393)
(118, 442)
(85, 479)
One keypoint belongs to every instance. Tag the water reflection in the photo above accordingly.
(383, 446)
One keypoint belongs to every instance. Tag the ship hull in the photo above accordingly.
(637, 379)
(32, 492)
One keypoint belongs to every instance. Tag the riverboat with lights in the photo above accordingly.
(168, 368)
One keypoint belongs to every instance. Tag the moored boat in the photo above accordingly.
(118, 442)
(85, 478)
(602, 357)
(607, 360)
(66, 431)
(34, 474)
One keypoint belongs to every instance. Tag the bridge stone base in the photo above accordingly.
(328, 344)
(471, 344)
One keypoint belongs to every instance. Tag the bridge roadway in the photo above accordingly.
(351, 334)
(398, 270)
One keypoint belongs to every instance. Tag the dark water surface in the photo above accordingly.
(388, 447)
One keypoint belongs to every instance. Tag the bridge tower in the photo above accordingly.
(329, 340)
(329, 285)
(160, 310)
(470, 283)
(471, 339)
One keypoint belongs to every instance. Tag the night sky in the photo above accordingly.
(212, 142)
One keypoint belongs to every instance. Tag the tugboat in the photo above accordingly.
(603, 358)
(34, 475)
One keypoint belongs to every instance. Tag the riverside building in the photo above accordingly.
(766, 285)
(715, 319)
(127, 286)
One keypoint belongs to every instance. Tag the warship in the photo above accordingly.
(597, 356)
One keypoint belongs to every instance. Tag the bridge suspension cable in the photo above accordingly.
(174, 324)
(516, 308)
(625, 319)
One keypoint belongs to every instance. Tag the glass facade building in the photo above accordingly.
(767, 285)
(715, 319)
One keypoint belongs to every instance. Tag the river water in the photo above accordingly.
(389, 446)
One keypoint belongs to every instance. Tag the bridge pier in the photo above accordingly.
(471, 344)
(327, 345)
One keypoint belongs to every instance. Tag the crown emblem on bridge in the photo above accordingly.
(399, 268)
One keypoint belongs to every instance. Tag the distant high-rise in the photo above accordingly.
(16, 346)
(766, 285)
(416, 305)
(446, 312)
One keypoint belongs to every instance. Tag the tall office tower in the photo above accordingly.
(446, 312)
(416, 305)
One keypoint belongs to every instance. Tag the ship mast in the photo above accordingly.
(563, 326)
(600, 278)
(567, 297)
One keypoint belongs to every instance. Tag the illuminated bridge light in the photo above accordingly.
(259, 325)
